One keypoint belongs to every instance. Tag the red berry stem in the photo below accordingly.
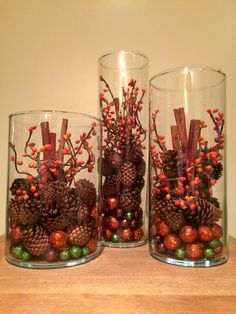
(15, 162)
(107, 86)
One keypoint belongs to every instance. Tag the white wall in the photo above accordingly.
(49, 51)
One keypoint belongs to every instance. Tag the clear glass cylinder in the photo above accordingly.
(53, 194)
(188, 213)
(123, 101)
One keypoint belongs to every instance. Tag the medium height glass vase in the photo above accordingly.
(188, 221)
(53, 189)
(123, 100)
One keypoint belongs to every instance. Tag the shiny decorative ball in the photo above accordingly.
(214, 243)
(51, 256)
(134, 224)
(65, 255)
(92, 245)
(208, 253)
(204, 233)
(157, 239)
(194, 250)
(85, 251)
(156, 220)
(160, 248)
(138, 234)
(58, 239)
(124, 223)
(171, 242)
(217, 231)
(112, 223)
(163, 229)
(180, 253)
(15, 235)
(115, 238)
(112, 202)
(17, 251)
(75, 252)
(126, 234)
(119, 213)
(25, 256)
(129, 215)
(218, 250)
(188, 234)
(138, 214)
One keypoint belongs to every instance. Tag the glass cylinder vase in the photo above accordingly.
(123, 101)
(188, 213)
(53, 213)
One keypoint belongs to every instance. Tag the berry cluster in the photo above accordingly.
(52, 213)
(123, 166)
(182, 185)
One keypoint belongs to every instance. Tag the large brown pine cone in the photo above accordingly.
(111, 186)
(128, 174)
(34, 239)
(173, 215)
(30, 211)
(20, 184)
(86, 193)
(69, 204)
(113, 158)
(53, 191)
(14, 212)
(132, 153)
(53, 219)
(130, 200)
(107, 170)
(80, 235)
(83, 213)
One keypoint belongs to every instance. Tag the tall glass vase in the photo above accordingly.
(123, 101)
(188, 213)
(53, 211)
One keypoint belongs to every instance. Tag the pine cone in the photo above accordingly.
(140, 182)
(69, 204)
(107, 170)
(83, 214)
(111, 186)
(80, 235)
(53, 219)
(20, 184)
(30, 211)
(167, 211)
(207, 213)
(128, 174)
(130, 200)
(132, 153)
(217, 171)
(141, 168)
(14, 212)
(170, 164)
(86, 193)
(35, 239)
(113, 158)
(54, 191)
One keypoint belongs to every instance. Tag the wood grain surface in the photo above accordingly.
(119, 281)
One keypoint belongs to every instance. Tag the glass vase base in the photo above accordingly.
(187, 263)
(123, 245)
(61, 264)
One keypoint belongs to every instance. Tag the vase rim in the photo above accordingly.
(49, 111)
(187, 69)
(125, 52)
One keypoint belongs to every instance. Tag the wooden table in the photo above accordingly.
(119, 281)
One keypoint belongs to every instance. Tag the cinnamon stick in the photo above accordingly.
(175, 138)
(181, 125)
(62, 139)
(193, 138)
(53, 144)
(46, 139)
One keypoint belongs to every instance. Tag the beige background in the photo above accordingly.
(49, 51)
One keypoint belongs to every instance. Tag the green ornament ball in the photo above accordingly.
(180, 253)
(209, 253)
(85, 251)
(115, 238)
(129, 216)
(17, 251)
(65, 255)
(214, 243)
(75, 252)
(25, 256)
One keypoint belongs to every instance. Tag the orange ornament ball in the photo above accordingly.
(188, 234)
(204, 233)
(172, 242)
(163, 229)
(217, 231)
(194, 250)
(58, 239)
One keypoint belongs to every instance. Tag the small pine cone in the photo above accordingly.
(53, 219)
(83, 214)
(107, 170)
(128, 174)
(35, 239)
(141, 167)
(14, 212)
(69, 204)
(80, 235)
(20, 184)
(130, 200)
(54, 191)
(86, 193)
(113, 158)
(30, 211)
(133, 153)
(217, 171)
(167, 211)
(207, 213)
(111, 186)
(170, 164)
